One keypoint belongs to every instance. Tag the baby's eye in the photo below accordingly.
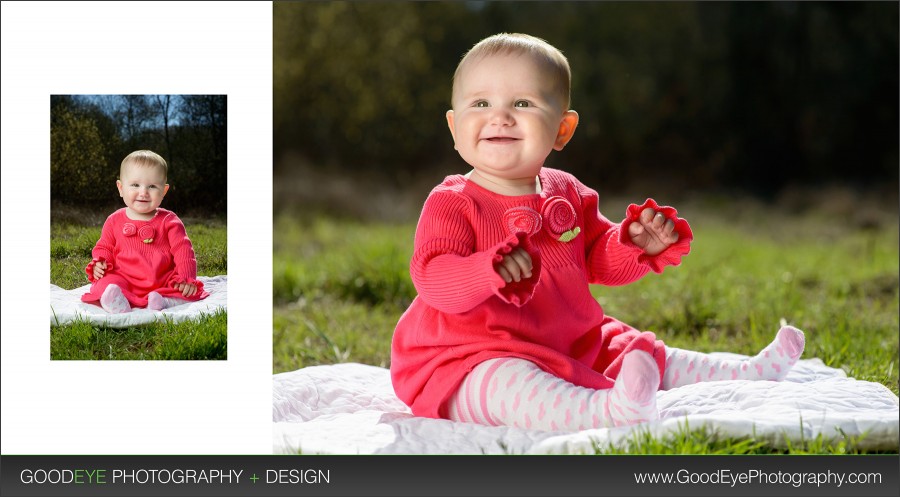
(481, 103)
(152, 186)
(134, 185)
(522, 103)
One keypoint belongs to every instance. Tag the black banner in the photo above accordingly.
(449, 475)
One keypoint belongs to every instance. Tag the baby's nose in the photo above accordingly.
(501, 116)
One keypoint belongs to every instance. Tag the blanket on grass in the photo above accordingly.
(66, 307)
(352, 409)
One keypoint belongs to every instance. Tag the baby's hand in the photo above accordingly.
(186, 289)
(652, 232)
(515, 266)
(99, 269)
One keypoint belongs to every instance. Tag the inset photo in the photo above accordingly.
(138, 227)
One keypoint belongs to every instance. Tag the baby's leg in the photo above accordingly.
(113, 300)
(157, 302)
(516, 392)
(684, 367)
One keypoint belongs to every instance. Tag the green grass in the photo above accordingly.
(686, 440)
(702, 441)
(340, 287)
(206, 338)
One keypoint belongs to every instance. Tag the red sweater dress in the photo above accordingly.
(144, 256)
(465, 313)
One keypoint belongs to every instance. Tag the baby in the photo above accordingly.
(504, 330)
(144, 257)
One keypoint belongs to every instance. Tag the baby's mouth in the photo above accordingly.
(501, 139)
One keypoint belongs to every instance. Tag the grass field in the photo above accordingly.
(340, 286)
(70, 251)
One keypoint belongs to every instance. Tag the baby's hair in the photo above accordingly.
(545, 54)
(145, 158)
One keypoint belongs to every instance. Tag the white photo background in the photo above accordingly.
(135, 407)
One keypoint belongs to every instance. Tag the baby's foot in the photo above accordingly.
(774, 361)
(633, 398)
(156, 301)
(793, 341)
(113, 300)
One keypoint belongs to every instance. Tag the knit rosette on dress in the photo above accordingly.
(522, 220)
(147, 233)
(559, 219)
(521, 223)
(671, 255)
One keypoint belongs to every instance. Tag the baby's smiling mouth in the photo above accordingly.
(501, 139)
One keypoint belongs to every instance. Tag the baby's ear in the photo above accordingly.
(566, 129)
(166, 189)
(452, 126)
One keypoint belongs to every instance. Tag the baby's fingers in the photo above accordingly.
(515, 266)
(635, 229)
(513, 271)
(647, 215)
(523, 260)
(659, 221)
(669, 234)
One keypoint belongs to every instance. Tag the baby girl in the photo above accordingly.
(144, 257)
(504, 330)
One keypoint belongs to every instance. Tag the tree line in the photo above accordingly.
(91, 134)
(750, 95)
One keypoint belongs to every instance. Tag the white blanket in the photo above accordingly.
(66, 306)
(352, 409)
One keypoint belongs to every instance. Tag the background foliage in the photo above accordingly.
(91, 134)
(754, 96)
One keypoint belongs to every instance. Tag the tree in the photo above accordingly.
(79, 169)
(164, 107)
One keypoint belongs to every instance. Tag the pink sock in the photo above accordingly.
(633, 397)
(157, 302)
(113, 300)
(516, 392)
(684, 367)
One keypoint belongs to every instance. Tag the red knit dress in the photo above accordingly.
(144, 256)
(465, 313)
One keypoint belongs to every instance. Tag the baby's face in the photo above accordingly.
(142, 188)
(506, 116)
